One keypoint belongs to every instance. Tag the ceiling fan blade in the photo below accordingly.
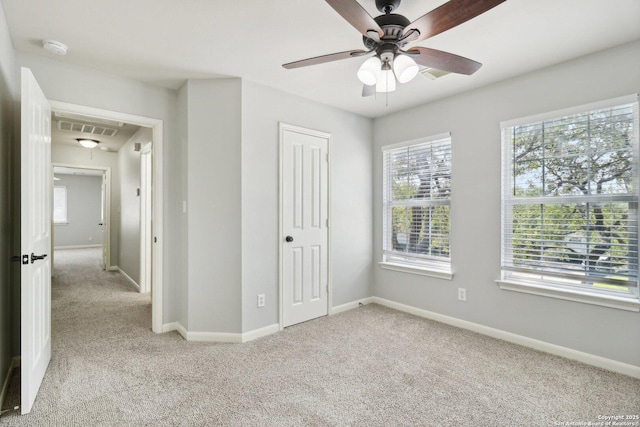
(325, 58)
(355, 15)
(449, 15)
(443, 60)
(368, 90)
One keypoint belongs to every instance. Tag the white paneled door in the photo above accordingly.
(304, 224)
(35, 239)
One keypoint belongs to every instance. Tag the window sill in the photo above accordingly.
(619, 303)
(423, 271)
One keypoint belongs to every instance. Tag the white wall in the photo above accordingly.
(231, 129)
(474, 121)
(84, 211)
(214, 211)
(182, 285)
(63, 81)
(129, 166)
(351, 198)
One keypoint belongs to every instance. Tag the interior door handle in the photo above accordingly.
(289, 239)
(35, 257)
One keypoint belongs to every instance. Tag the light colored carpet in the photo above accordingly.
(370, 366)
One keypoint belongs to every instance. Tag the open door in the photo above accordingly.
(35, 235)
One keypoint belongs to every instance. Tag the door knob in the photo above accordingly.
(289, 239)
(35, 257)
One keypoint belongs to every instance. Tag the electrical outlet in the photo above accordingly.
(462, 294)
(260, 300)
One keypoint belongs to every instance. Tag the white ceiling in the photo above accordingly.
(165, 42)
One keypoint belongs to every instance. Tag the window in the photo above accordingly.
(416, 199)
(60, 205)
(570, 200)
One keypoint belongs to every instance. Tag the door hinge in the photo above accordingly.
(155, 239)
(327, 222)
(327, 157)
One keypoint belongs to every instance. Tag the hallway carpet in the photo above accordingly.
(370, 366)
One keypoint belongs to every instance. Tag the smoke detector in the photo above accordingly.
(54, 47)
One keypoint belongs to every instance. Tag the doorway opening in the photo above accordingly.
(81, 209)
(147, 196)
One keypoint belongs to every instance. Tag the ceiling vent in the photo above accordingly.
(86, 128)
(432, 73)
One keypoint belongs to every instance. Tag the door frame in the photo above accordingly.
(156, 126)
(282, 128)
(146, 247)
(106, 234)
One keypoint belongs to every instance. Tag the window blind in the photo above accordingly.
(570, 199)
(416, 198)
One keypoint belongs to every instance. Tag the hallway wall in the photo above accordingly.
(129, 166)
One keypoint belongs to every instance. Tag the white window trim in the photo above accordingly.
(445, 274)
(444, 135)
(426, 269)
(630, 303)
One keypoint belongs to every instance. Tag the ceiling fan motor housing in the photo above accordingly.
(392, 24)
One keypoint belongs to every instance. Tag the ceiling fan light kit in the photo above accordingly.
(386, 37)
(405, 68)
(386, 82)
(369, 70)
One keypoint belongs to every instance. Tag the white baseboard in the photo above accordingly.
(350, 305)
(15, 363)
(201, 336)
(220, 336)
(214, 337)
(259, 333)
(175, 326)
(77, 247)
(126, 276)
(589, 359)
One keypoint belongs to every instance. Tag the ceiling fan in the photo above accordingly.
(385, 38)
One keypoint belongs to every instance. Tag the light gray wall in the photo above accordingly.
(8, 348)
(84, 211)
(79, 156)
(181, 287)
(474, 121)
(214, 211)
(66, 82)
(351, 198)
(129, 164)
